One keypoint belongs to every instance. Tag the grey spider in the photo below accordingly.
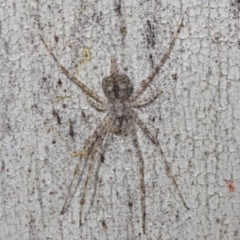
(120, 115)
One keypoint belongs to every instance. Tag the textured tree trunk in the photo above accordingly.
(45, 118)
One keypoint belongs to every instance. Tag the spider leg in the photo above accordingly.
(101, 160)
(87, 150)
(97, 148)
(90, 141)
(157, 144)
(138, 103)
(85, 89)
(114, 68)
(147, 81)
(101, 107)
(141, 170)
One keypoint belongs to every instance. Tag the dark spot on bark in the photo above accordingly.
(59, 82)
(46, 148)
(3, 165)
(117, 7)
(174, 76)
(102, 158)
(123, 30)
(150, 34)
(55, 114)
(56, 38)
(104, 225)
(71, 132)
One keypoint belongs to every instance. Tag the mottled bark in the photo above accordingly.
(45, 118)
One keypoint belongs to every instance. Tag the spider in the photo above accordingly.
(120, 117)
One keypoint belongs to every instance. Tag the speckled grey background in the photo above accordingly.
(196, 119)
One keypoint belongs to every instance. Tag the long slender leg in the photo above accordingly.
(101, 107)
(89, 143)
(96, 176)
(147, 81)
(114, 68)
(65, 205)
(156, 142)
(143, 102)
(87, 90)
(141, 170)
(97, 148)
(87, 149)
